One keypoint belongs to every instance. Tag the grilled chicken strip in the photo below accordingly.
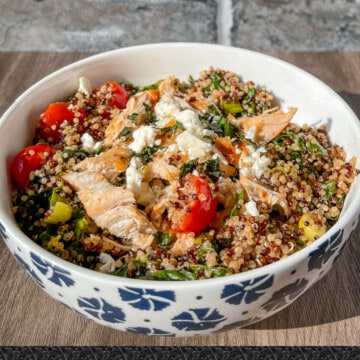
(267, 126)
(109, 163)
(112, 208)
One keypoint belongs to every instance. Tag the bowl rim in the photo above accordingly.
(351, 213)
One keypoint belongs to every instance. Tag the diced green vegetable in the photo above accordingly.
(232, 108)
(153, 86)
(59, 213)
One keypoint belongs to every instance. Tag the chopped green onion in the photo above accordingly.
(61, 212)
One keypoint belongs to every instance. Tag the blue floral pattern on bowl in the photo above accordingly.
(147, 299)
(247, 291)
(198, 319)
(29, 270)
(319, 257)
(54, 273)
(101, 309)
(285, 295)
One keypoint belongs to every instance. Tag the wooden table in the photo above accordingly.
(328, 314)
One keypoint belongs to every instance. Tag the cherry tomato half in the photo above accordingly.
(111, 94)
(119, 97)
(200, 205)
(27, 160)
(54, 116)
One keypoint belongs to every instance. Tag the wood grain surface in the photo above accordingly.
(328, 314)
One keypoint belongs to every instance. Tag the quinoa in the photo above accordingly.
(307, 175)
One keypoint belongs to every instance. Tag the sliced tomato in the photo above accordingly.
(199, 204)
(54, 116)
(27, 160)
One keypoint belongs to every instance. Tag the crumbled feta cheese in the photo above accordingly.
(109, 263)
(251, 208)
(85, 86)
(144, 136)
(165, 110)
(134, 175)
(89, 145)
(256, 163)
(193, 146)
(190, 120)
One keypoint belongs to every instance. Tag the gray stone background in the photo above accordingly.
(100, 25)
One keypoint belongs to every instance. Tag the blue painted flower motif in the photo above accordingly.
(102, 310)
(247, 291)
(149, 331)
(3, 233)
(28, 269)
(285, 295)
(325, 251)
(55, 274)
(147, 299)
(197, 319)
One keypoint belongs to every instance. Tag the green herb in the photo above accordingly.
(122, 271)
(226, 127)
(79, 154)
(250, 94)
(150, 115)
(314, 147)
(126, 133)
(216, 81)
(188, 167)
(172, 129)
(212, 170)
(147, 153)
(162, 240)
(330, 189)
(133, 117)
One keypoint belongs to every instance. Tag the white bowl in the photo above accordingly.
(192, 307)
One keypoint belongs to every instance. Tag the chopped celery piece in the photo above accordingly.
(232, 107)
(153, 86)
(61, 212)
(54, 198)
